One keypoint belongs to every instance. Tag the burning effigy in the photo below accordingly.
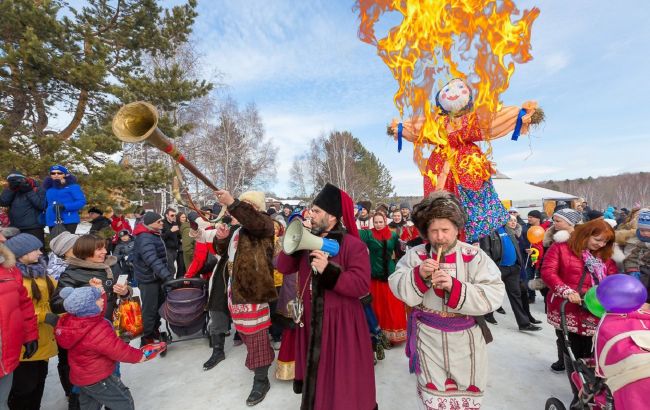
(452, 60)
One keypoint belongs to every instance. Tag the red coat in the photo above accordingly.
(93, 348)
(561, 271)
(17, 319)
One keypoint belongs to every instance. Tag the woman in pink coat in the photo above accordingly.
(569, 270)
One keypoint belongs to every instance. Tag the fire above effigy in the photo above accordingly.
(465, 51)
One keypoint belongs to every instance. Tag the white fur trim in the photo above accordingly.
(561, 236)
(256, 198)
(611, 222)
(618, 256)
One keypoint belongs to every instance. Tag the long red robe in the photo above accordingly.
(335, 364)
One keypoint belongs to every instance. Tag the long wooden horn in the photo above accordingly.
(138, 122)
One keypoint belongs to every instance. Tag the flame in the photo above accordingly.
(476, 40)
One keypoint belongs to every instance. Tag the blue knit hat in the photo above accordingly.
(644, 219)
(80, 302)
(23, 243)
(59, 168)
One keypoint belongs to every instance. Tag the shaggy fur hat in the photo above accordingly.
(438, 205)
(256, 198)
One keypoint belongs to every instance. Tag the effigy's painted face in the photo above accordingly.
(454, 96)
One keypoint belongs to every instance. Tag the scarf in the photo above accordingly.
(594, 265)
(56, 266)
(34, 270)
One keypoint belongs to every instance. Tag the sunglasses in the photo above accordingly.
(56, 173)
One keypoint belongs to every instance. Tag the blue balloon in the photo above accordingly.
(621, 293)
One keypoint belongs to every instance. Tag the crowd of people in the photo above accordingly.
(403, 275)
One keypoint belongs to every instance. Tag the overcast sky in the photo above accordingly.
(303, 65)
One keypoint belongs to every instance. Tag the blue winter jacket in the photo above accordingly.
(149, 256)
(69, 195)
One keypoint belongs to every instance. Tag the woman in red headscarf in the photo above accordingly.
(382, 244)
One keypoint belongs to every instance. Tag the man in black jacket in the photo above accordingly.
(26, 203)
(151, 271)
(98, 222)
(503, 248)
(170, 235)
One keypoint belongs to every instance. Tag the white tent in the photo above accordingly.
(525, 196)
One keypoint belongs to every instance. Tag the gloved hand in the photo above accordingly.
(636, 274)
(25, 186)
(30, 349)
(51, 318)
(59, 208)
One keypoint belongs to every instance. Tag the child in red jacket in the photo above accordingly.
(94, 350)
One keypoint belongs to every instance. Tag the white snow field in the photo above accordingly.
(520, 377)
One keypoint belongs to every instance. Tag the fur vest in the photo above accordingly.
(252, 270)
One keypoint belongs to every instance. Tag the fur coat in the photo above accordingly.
(252, 271)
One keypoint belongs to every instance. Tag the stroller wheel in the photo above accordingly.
(164, 337)
(554, 404)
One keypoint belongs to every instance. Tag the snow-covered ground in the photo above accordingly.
(520, 377)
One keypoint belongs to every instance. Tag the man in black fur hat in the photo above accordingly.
(334, 359)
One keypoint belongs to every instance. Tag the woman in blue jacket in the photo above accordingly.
(64, 194)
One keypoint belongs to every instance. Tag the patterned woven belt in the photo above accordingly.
(441, 313)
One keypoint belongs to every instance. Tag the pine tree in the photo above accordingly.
(64, 72)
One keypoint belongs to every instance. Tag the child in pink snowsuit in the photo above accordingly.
(623, 356)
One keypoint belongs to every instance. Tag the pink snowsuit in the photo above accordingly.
(623, 357)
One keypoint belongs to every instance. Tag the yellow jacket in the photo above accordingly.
(46, 343)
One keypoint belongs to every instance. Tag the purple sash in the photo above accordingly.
(434, 320)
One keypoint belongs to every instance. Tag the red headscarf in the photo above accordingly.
(383, 234)
(347, 206)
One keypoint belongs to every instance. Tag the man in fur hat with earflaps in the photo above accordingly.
(334, 358)
(450, 285)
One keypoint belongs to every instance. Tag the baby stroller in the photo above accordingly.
(184, 309)
(593, 392)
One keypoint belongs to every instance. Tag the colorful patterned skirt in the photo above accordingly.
(390, 311)
(485, 212)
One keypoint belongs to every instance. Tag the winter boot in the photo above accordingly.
(383, 340)
(379, 351)
(558, 367)
(261, 386)
(217, 351)
(73, 402)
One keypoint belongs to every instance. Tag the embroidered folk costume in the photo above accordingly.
(391, 314)
(445, 345)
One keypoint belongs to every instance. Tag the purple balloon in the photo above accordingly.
(621, 293)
